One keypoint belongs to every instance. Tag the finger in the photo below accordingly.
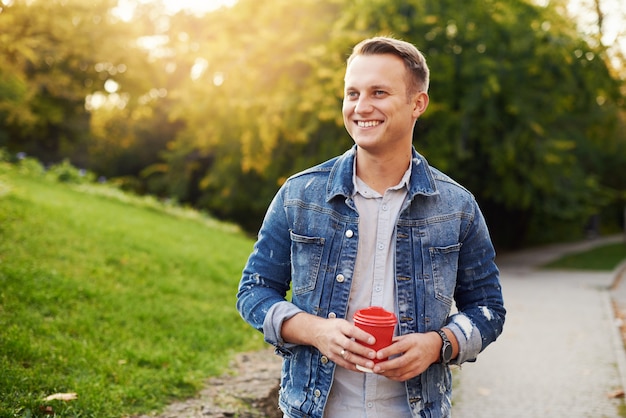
(399, 345)
(362, 336)
(360, 350)
(350, 360)
(400, 368)
(393, 374)
(385, 353)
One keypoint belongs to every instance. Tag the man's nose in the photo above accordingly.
(363, 105)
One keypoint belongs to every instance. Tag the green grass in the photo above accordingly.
(126, 302)
(602, 258)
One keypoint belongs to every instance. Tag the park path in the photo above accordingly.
(561, 353)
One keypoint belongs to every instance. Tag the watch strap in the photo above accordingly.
(446, 348)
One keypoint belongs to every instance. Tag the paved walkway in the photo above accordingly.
(560, 355)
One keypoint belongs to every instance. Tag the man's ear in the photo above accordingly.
(420, 103)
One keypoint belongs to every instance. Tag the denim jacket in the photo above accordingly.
(309, 240)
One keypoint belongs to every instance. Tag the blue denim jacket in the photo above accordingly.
(309, 241)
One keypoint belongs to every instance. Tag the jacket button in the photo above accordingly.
(349, 233)
(332, 315)
(340, 278)
(317, 393)
(324, 359)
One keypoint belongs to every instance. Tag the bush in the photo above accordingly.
(67, 173)
(30, 167)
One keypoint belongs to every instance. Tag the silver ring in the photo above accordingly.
(343, 353)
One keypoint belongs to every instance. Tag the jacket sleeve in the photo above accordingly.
(266, 277)
(478, 293)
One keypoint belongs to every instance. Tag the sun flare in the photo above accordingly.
(125, 8)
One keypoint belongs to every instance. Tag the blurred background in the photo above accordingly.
(213, 104)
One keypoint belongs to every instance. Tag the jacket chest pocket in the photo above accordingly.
(306, 256)
(445, 262)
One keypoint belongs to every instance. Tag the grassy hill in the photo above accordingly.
(124, 301)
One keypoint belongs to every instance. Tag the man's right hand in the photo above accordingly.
(335, 338)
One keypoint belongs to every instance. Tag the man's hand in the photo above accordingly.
(335, 338)
(415, 353)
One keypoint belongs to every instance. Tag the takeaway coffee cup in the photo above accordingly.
(380, 324)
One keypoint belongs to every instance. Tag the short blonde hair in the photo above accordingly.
(414, 61)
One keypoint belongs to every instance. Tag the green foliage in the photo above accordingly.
(506, 99)
(515, 97)
(253, 118)
(30, 167)
(55, 53)
(125, 302)
(67, 173)
(4, 155)
(225, 106)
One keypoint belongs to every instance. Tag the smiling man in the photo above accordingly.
(376, 226)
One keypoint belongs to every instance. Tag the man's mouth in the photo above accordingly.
(368, 123)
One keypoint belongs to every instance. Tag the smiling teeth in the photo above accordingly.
(368, 124)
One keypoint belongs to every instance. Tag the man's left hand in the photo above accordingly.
(412, 355)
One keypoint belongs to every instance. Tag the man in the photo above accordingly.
(376, 226)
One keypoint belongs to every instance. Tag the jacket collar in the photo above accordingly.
(340, 178)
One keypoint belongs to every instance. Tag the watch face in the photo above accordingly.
(446, 348)
(447, 353)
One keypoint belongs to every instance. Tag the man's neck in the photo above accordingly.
(381, 172)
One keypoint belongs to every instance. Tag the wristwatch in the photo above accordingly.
(446, 348)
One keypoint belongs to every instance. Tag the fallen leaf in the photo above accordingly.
(619, 393)
(61, 397)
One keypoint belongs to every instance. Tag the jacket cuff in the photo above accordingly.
(276, 315)
(468, 337)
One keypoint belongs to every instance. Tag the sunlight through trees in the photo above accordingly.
(216, 108)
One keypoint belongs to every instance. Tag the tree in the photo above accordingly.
(517, 100)
(217, 110)
(516, 93)
(56, 54)
(265, 104)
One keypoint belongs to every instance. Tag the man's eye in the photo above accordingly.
(379, 93)
(351, 95)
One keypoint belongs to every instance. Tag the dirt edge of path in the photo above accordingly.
(248, 390)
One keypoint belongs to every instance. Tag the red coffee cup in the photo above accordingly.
(379, 323)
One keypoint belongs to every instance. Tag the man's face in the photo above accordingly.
(377, 113)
